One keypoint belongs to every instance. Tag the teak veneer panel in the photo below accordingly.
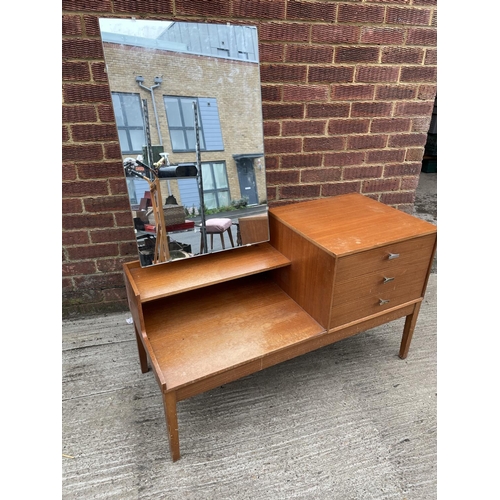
(202, 333)
(179, 276)
(350, 223)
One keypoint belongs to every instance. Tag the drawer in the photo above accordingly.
(414, 253)
(375, 292)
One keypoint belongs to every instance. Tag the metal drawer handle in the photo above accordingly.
(386, 280)
(393, 256)
(381, 302)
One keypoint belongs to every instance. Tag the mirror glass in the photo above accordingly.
(187, 104)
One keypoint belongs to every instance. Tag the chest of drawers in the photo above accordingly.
(333, 267)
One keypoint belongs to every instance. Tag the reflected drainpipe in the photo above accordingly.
(158, 80)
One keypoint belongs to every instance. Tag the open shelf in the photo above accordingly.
(180, 276)
(203, 333)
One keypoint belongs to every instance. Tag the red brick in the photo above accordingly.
(379, 185)
(302, 160)
(99, 170)
(351, 173)
(418, 74)
(348, 126)
(300, 191)
(65, 134)
(118, 186)
(402, 55)
(397, 198)
(405, 15)
(360, 13)
(100, 281)
(342, 159)
(401, 169)
(106, 204)
(430, 57)
(283, 145)
(272, 194)
(272, 128)
(261, 9)
(414, 108)
(91, 24)
(304, 127)
(99, 72)
(390, 125)
(114, 264)
(310, 10)
(112, 151)
(277, 111)
(86, 221)
(377, 74)
(382, 36)
(123, 219)
(305, 93)
(94, 133)
(275, 177)
(82, 152)
(422, 36)
(324, 143)
(404, 140)
(72, 206)
(335, 34)
(352, 92)
(85, 5)
(320, 175)
(369, 141)
(274, 73)
(271, 92)
(105, 112)
(75, 238)
(271, 53)
(196, 7)
(85, 93)
(71, 25)
(371, 109)
(281, 32)
(74, 71)
(424, 2)
(89, 188)
(408, 183)
(68, 172)
(356, 54)
(395, 92)
(387, 156)
(111, 235)
(78, 48)
(331, 74)
(78, 268)
(420, 124)
(327, 110)
(75, 114)
(308, 54)
(340, 188)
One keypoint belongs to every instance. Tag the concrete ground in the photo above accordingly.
(349, 421)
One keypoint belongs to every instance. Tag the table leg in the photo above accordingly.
(143, 358)
(170, 405)
(410, 323)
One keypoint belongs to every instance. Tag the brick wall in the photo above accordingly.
(348, 89)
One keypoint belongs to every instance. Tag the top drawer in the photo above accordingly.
(411, 253)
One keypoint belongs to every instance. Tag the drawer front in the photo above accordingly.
(371, 282)
(416, 252)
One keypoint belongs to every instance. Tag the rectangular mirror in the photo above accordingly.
(187, 104)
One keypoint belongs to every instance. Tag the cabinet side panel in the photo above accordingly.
(309, 278)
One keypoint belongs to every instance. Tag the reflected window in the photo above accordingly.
(128, 114)
(180, 117)
(215, 185)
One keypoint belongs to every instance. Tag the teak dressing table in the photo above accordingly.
(333, 267)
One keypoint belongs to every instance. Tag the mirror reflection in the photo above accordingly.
(187, 104)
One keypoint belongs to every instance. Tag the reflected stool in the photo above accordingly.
(217, 226)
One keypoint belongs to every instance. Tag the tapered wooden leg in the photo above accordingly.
(410, 323)
(170, 405)
(143, 358)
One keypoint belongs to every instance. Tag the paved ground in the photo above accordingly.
(350, 421)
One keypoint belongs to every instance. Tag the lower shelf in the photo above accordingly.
(207, 337)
